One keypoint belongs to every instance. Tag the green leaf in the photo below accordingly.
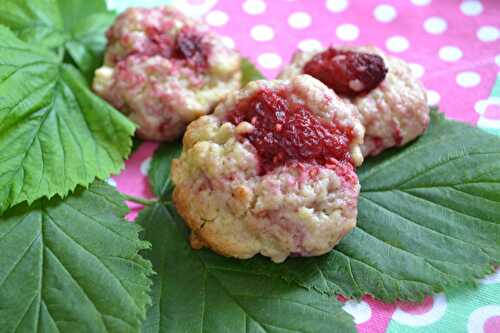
(72, 265)
(78, 26)
(72, 11)
(429, 218)
(159, 172)
(88, 41)
(34, 21)
(249, 72)
(198, 291)
(54, 133)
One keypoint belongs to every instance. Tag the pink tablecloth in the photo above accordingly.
(453, 45)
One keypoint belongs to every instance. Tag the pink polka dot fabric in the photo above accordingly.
(454, 46)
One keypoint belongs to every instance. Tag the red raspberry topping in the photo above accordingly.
(189, 46)
(289, 133)
(347, 72)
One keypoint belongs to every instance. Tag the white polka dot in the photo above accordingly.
(471, 7)
(417, 70)
(310, 45)
(450, 53)
(145, 165)
(468, 79)
(433, 98)
(254, 7)
(228, 41)
(397, 44)
(193, 8)
(437, 311)
(480, 107)
(495, 277)
(217, 18)
(262, 33)
(478, 318)
(420, 2)
(299, 20)
(486, 122)
(337, 6)
(111, 182)
(347, 32)
(269, 60)
(488, 33)
(497, 60)
(361, 311)
(385, 13)
(435, 25)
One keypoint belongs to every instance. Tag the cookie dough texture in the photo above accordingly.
(394, 113)
(294, 210)
(163, 70)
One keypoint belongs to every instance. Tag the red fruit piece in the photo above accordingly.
(288, 133)
(347, 72)
(189, 46)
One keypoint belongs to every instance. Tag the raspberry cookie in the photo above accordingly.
(271, 171)
(164, 70)
(391, 102)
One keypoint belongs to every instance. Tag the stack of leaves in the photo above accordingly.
(55, 133)
(429, 214)
(69, 263)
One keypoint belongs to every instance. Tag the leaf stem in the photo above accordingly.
(139, 200)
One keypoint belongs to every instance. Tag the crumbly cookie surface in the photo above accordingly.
(164, 70)
(394, 113)
(293, 206)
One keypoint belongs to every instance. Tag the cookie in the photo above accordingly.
(271, 171)
(392, 104)
(163, 70)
